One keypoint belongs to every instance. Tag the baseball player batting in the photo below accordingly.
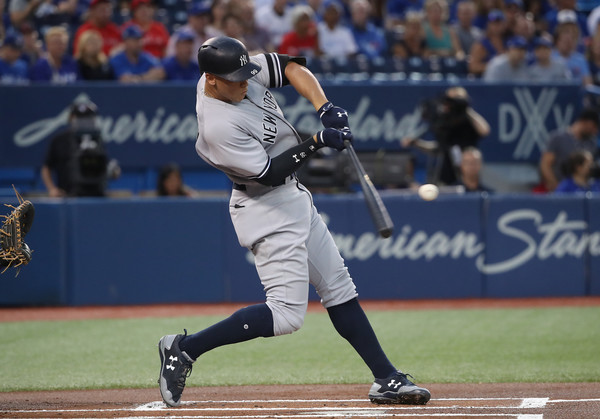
(243, 132)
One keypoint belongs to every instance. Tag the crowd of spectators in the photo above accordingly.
(62, 41)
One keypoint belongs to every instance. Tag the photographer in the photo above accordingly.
(78, 158)
(455, 126)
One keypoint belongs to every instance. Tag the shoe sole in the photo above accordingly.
(415, 397)
(164, 343)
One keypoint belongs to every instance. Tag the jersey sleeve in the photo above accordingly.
(273, 68)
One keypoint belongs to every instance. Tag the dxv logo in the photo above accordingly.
(525, 122)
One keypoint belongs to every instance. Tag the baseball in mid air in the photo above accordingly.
(428, 192)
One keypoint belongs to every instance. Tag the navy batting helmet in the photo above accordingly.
(226, 58)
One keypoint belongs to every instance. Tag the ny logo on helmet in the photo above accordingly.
(243, 60)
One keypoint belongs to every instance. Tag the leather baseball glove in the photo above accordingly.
(14, 252)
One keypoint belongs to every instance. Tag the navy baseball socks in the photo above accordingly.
(178, 352)
(394, 387)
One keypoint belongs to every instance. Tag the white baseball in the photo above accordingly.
(428, 192)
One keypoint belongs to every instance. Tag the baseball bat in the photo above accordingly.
(378, 211)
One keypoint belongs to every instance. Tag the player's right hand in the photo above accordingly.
(333, 138)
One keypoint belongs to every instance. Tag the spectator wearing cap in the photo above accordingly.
(302, 40)
(565, 12)
(275, 18)
(580, 135)
(369, 39)
(182, 66)
(335, 39)
(156, 35)
(56, 66)
(92, 62)
(491, 45)
(466, 32)
(546, 67)
(99, 19)
(198, 22)
(13, 70)
(484, 7)
(510, 66)
(133, 64)
(566, 47)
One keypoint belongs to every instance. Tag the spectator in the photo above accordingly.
(170, 182)
(491, 45)
(275, 18)
(547, 68)
(566, 38)
(197, 23)
(593, 20)
(525, 27)
(56, 66)
(440, 37)
(510, 66)
(593, 58)
(370, 40)
(580, 135)
(565, 11)
(21, 11)
(32, 46)
(513, 12)
(455, 126)
(396, 11)
(182, 66)
(484, 7)
(466, 32)
(76, 162)
(233, 27)
(578, 171)
(99, 19)
(471, 163)
(411, 43)
(335, 40)
(13, 70)
(134, 65)
(155, 33)
(256, 38)
(218, 9)
(92, 62)
(302, 41)
(51, 13)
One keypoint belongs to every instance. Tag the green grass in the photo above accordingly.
(496, 345)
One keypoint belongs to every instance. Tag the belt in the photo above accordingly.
(242, 187)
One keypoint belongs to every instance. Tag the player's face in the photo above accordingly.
(227, 91)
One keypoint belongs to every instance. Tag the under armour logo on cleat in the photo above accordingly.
(172, 359)
(394, 384)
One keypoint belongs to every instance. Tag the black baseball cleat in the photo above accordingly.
(397, 389)
(175, 367)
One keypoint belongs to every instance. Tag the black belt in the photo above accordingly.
(241, 187)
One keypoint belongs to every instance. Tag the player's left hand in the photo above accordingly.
(333, 116)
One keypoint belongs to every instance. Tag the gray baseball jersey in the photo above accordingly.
(280, 225)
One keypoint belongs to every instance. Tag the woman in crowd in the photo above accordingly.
(93, 63)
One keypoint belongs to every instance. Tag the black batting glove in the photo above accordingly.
(333, 138)
(333, 116)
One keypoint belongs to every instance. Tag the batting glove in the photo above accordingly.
(334, 138)
(333, 116)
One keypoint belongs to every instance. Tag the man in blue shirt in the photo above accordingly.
(369, 39)
(13, 70)
(133, 65)
(182, 65)
(56, 66)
